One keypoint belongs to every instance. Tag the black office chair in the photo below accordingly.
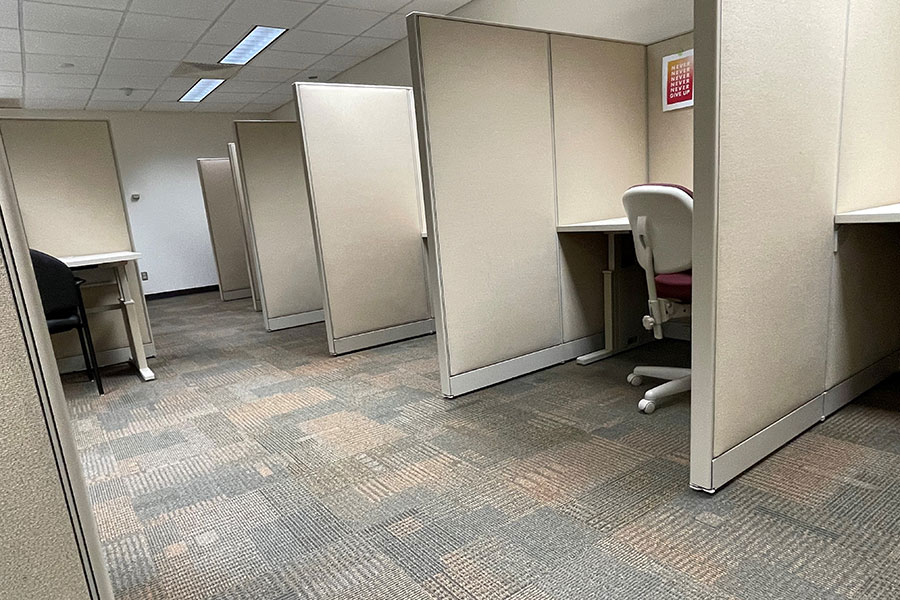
(64, 307)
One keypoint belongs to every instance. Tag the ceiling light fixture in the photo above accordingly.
(253, 43)
(201, 90)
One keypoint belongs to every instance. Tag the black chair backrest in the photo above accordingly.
(56, 283)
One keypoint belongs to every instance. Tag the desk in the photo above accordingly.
(880, 214)
(118, 261)
(611, 228)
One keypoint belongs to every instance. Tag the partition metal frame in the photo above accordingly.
(245, 221)
(271, 323)
(368, 339)
(226, 296)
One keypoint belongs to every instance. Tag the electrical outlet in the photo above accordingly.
(144, 276)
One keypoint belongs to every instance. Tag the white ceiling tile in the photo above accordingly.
(178, 84)
(120, 95)
(9, 40)
(225, 34)
(218, 97)
(107, 105)
(70, 19)
(264, 74)
(40, 92)
(8, 78)
(55, 80)
(285, 60)
(315, 74)
(336, 19)
(11, 61)
(51, 63)
(219, 106)
(169, 106)
(42, 42)
(108, 4)
(55, 103)
(9, 14)
(167, 95)
(364, 46)
(156, 27)
(207, 53)
(438, 7)
(380, 5)
(260, 108)
(312, 42)
(246, 87)
(207, 9)
(394, 27)
(138, 82)
(144, 68)
(272, 13)
(9, 91)
(337, 63)
(157, 50)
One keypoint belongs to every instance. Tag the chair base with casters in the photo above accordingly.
(677, 380)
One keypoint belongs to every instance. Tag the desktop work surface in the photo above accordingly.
(880, 214)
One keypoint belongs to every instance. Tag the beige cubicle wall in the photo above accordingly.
(362, 176)
(226, 229)
(670, 134)
(67, 182)
(272, 168)
(509, 152)
(235, 164)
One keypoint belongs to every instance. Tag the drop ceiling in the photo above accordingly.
(121, 54)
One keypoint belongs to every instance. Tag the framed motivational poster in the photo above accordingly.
(678, 80)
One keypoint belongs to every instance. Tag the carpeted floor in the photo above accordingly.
(258, 467)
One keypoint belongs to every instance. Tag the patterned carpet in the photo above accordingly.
(258, 467)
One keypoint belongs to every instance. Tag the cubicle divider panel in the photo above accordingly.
(583, 258)
(670, 149)
(71, 201)
(272, 168)
(600, 125)
(362, 176)
(777, 162)
(225, 228)
(238, 181)
(484, 105)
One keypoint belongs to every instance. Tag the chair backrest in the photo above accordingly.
(56, 284)
(661, 217)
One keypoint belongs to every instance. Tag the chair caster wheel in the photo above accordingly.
(635, 380)
(646, 406)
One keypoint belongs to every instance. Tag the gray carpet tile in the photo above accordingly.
(259, 467)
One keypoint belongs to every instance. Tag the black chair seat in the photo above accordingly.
(65, 324)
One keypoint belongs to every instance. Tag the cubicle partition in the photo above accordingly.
(362, 176)
(235, 164)
(791, 318)
(284, 254)
(71, 201)
(521, 131)
(226, 230)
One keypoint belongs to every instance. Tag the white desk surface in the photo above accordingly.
(880, 214)
(94, 260)
(619, 224)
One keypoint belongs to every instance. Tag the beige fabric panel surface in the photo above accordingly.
(870, 136)
(226, 229)
(600, 120)
(272, 164)
(583, 257)
(865, 289)
(778, 161)
(487, 92)
(671, 134)
(360, 150)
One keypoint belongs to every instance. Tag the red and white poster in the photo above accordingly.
(678, 80)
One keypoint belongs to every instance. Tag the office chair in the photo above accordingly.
(660, 216)
(64, 307)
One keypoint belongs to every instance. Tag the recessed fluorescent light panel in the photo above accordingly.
(201, 90)
(254, 43)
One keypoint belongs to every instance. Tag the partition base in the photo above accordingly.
(116, 356)
(852, 387)
(288, 321)
(361, 341)
(236, 295)
(521, 365)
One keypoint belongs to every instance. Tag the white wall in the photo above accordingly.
(157, 154)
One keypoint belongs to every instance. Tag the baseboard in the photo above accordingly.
(353, 343)
(476, 379)
(186, 292)
(288, 321)
(116, 356)
(856, 385)
(236, 294)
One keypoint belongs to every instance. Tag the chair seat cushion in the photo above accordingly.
(64, 324)
(675, 286)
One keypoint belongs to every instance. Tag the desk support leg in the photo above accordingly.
(608, 322)
(132, 326)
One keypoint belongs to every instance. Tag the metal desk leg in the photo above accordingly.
(132, 326)
(608, 323)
